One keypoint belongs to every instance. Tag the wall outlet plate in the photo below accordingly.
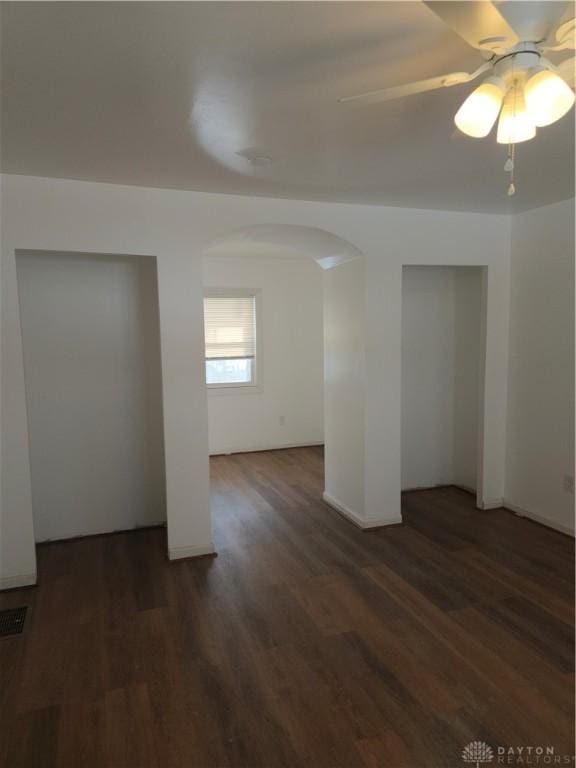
(568, 483)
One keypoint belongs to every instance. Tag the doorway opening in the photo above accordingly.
(282, 278)
(442, 371)
(91, 346)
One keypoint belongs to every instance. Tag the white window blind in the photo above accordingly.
(230, 327)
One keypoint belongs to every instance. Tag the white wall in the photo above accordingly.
(540, 439)
(177, 227)
(440, 370)
(424, 238)
(286, 408)
(428, 365)
(469, 355)
(344, 375)
(91, 342)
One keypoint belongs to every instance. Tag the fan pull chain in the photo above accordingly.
(509, 167)
(510, 162)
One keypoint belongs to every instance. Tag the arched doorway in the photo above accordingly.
(309, 285)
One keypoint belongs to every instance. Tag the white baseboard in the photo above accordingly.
(467, 488)
(102, 532)
(354, 517)
(348, 513)
(21, 580)
(460, 487)
(179, 553)
(491, 503)
(538, 518)
(257, 449)
(413, 488)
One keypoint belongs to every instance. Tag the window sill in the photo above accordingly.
(233, 389)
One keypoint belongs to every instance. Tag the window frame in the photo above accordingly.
(238, 387)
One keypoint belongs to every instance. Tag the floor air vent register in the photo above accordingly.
(12, 621)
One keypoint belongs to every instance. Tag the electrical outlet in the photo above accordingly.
(569, 483)
(282, 420)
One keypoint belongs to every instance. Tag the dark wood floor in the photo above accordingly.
(304, 643)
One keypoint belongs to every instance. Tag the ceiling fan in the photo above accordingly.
(521, 85)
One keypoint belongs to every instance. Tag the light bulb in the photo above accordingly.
(548, 97)
(515, 124)
(478, 113)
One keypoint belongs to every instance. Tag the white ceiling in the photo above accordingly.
(176, 95)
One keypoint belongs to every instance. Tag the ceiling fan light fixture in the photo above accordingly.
(478, 113)
(515, 124)
(548, 96)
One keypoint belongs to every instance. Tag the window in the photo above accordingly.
(230, 332)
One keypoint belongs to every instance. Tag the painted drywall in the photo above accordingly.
(344, 376)
(286, 406)
(469, 360)
(417, 237)
(540, 436)
(428, 363)
(177, 227)
(91, 343)
(440, 371)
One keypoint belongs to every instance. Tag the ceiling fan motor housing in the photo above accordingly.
(517, 62)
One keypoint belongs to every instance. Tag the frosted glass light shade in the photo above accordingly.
(548, 97)
(478, 113)
(515, 124)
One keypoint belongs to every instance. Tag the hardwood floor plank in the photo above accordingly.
(31, 740)
(484, 669)
(389, 749)
(555, 601)
(536, 627)
(307, 643)
(536, 669)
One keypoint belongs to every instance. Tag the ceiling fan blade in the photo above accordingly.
(420, 86)
(532, 20)
(478, 22)
(567, 70)
(566, 32)
(564, 37)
